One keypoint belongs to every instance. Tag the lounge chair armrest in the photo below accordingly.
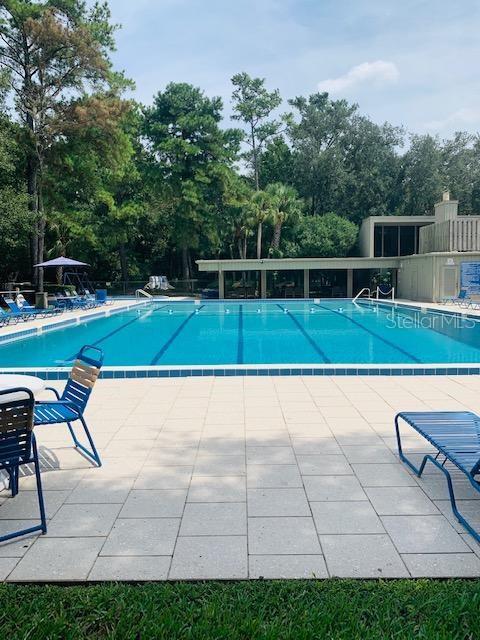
(54, 391)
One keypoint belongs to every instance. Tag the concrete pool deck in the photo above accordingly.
(236, 478)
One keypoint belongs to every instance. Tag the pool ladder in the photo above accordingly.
(364, 290)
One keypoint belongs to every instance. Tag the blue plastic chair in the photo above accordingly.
(18, 447)
(30, 312)
(456, 436)
(70, 406)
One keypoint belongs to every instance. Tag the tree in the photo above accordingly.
(55, 51)
(190, 158)
(327, 236)
(422, 178)
(261, 209)
(276, 163)
(286, 206)
(252, 105)
(319, 140)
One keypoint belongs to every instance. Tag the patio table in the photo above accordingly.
(12, 381)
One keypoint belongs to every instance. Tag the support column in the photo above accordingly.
(349, 283)
(306, 283)
(263, 284)
(221, 284)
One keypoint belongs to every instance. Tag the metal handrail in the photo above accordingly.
(142, 292)
(392, 291)
(365, 289)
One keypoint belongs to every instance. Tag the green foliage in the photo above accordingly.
(327, 236)
(255, 610)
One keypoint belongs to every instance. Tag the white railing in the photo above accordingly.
(141, 292)
(362, 291)
(451, 235)
(387, 293)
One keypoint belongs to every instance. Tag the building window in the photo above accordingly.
(407, 240)
(390, 241)
(378, 241)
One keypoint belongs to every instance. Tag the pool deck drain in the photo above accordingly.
(241, 477)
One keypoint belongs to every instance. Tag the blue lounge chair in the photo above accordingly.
(70, 406)
(456, 436)
(29, 312)
(18, 447)
(7, 318)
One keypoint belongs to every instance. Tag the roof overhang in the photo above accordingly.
(285, 264)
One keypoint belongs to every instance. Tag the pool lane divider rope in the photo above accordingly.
(175, 335)
(305, 334)
(240, 336)
(372, 333)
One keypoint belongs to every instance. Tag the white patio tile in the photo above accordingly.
(210, 558)
(130, 568)
(342, 518)
(214, 519)
(288, 567)
(270, 455)
(400, 501)
(164, 477)
(99, 489)
(335, 488)
(171, 456)
(220, 465)
(383, 475)
(217, 489)
(17, 547)
(323, 465)
(6, 566)
(154, 503)
(53, 559)
(371, 454)
(273, 476)
(277, 502)
(24, 506)
(362, 556)
(311, 445)
(282, 536)
(423, 534)
(87, 520)
(443, 565)
(142, 537)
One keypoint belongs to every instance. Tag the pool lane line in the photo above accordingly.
(240, 336)
(309, 339)
(120, 328)
(372, 333)
(174, 336)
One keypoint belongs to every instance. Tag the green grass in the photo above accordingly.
(297, 610)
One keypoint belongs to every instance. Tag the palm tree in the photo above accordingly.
(286, 206)
(261, 206)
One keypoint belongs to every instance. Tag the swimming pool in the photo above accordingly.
(318, 333)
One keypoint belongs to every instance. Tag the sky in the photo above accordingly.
(409, 62)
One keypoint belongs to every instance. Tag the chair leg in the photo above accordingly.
(92, 453)
(41, 504)
(419, 470)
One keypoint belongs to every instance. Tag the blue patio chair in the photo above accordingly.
(28, 312)
(18, 447)
(456, 437)
(70, 406)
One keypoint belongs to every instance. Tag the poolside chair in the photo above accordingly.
(463, 299)
(456, 437)
(70, 406)
(30, 312)
(7, 318)
(18, 447)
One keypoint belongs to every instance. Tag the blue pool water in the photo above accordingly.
(276, 332)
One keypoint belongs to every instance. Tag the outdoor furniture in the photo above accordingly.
(30, 312)
(6, 318)
(70, 406)
(456, 436)
(10, 380)
(18, 447)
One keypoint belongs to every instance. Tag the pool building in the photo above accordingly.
(429, 258)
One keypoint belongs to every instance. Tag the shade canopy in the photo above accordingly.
(62, 262)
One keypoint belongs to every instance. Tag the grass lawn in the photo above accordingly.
(298, 610)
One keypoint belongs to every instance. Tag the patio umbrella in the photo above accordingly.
(61, 262)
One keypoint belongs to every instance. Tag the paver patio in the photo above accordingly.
(234, 477)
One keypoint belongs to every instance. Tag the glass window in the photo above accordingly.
(390, 241)
(328, 283)
(242, 284)
(285, 284)
(378, 241)
(407, 240)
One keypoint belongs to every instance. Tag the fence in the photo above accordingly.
(451, 235)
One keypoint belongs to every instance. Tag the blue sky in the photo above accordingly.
(411, 62)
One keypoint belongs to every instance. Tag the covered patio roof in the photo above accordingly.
(278, 264)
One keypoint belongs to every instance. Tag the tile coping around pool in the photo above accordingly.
(178, 371)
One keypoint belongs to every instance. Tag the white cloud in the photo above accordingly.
(466, 116)
(376, 72)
